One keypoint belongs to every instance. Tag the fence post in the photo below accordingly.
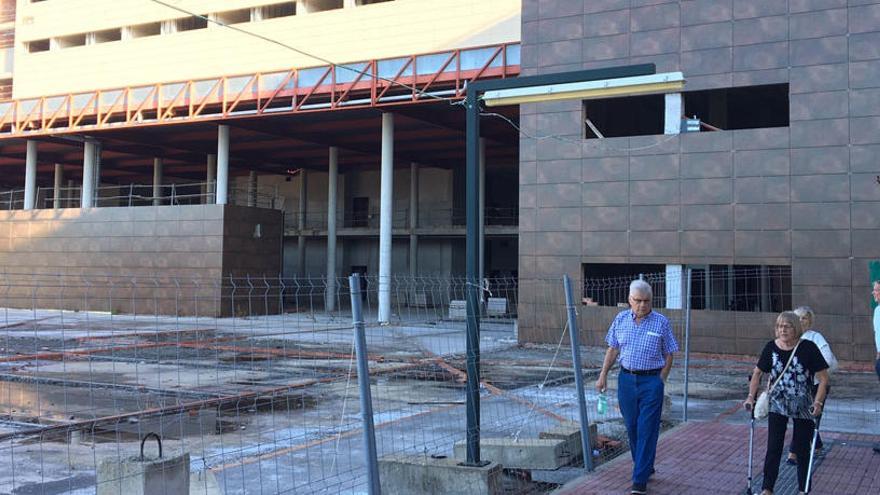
(586, 440)
(360, 345)
(687, 343)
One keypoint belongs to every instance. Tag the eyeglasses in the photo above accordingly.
(784, 325)
(641, 301)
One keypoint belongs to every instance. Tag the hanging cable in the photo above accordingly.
(295, 49)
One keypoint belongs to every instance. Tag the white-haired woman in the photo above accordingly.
(807, 317)
(794, 363)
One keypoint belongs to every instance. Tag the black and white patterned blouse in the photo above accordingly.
(793, 395)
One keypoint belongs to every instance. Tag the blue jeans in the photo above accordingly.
(641, 402)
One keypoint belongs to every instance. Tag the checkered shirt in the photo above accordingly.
(642, 346)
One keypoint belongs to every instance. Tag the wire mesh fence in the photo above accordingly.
(251, 382)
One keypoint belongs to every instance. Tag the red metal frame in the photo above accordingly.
(59, 114)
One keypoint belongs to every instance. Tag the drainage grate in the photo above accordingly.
(787, 480)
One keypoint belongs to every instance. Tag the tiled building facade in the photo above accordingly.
(803, 195)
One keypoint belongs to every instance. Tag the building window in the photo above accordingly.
(749, 288)
(190, 23)
(234, 16)
(106, 36)
(144, 30)
(322, 5)
(747, 107)
(278, 10)
(70, 41)
(626, 116)
(36, 46)
(370, 2)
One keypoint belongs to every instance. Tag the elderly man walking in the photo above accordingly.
(876, 293)
(641, 341)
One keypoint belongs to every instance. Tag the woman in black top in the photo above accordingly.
(792, 397)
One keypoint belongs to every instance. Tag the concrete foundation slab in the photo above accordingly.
(401, 474)
(133, 476)
(528, 453)
(571, 435)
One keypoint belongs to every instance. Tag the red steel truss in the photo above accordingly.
(374, 83)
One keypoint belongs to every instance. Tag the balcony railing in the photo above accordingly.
(430, 216)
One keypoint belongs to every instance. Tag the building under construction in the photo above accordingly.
(323, 137)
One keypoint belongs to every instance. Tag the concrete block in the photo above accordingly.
(133, 476)
(401, 474)
(571, 435)
(524, 453)
(204, 483)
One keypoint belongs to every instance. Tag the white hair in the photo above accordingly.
(805, 311)
(641, 287)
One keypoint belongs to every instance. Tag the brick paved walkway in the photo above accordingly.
(710, 458)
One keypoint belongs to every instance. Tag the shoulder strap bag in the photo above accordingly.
(762, 405)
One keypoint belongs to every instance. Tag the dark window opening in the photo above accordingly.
(279, 10)
(752, 288)
(607, 284)
(748, 288)
(627, 116)
(322, 5)
(108, 35)
(360, 212)
(191, 23)
(38, 46)
(368, 2)
(234, 16)
(748, 107)
(71, 41)
(144, 30)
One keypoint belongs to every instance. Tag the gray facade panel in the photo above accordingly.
(821, 243)
(559, 219)
(820, 188)
(707, 217)
(705, 11)
(655, 42)
(653, 17)
(760, 30)
(606, 194)
(606, 23)
(704, 36)
(762, 216)
(819, 51)
(760, 56)
(711, 61)
(706, 191)
(828, 132)
(758, 244)
(753, 163)
(827, 105)
(864, 46)
(654, 167)
(714, 244)
(762, 190)
(816, 78)
(832, 22)
(819, 216)
(663, 244)
(648, 218)
(864, 18)
(706, 165)
(605, 218)
(745, 9)
(829, 160)
(605, 169)
(653, 192)
(864, 102)
(865, 216)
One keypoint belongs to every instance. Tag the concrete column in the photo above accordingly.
(673, 113)
(413, 218)
(332, 182)
(481, 211)
(56, 186)
(158, 165)
(97, 194)
(252, 189)
(87, 194)
(30, 176)
(222, 164)
(386, 203)
(349, 4)
(210, 178)
(301, 223)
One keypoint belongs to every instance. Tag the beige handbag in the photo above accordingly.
(762, 405)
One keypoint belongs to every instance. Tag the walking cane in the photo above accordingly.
(812, 453)
(751, 448)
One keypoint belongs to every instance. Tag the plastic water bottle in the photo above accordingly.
(602, 404)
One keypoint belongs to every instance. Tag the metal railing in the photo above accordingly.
(430, 216)
(130, 195)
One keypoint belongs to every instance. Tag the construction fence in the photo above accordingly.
(268, 400)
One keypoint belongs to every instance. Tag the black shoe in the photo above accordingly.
(639, 489)
(791, 462)
(652, 472)
(877, 448)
